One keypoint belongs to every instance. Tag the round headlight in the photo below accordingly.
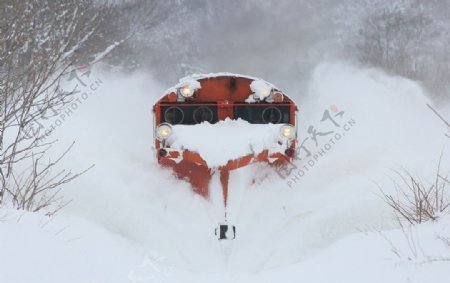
(163, 131)
(288, 131)
(186, 91)
(278, 97)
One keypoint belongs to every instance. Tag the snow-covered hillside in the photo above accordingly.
(325, 221)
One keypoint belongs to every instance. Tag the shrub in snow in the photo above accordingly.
(416, 201)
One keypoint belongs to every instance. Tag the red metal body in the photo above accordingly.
(225, 92)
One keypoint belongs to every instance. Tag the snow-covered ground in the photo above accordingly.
(324, 221)
(70, 249)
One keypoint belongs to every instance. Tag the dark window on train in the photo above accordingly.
(263, 114)
(188, 115)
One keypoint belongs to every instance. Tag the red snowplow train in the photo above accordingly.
(213, 98)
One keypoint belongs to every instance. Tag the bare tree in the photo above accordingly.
(40, 41)
(163, 36)
(406, 38)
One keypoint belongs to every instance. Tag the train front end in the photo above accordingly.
(214, 100)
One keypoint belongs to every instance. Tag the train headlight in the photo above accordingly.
(288, 131)
(278, 97)
(163, 131)
(186, 91)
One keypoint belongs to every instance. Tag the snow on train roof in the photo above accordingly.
(192, 80)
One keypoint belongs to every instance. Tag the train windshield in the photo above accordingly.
(195, 114)
(189, 115)
(269, 114)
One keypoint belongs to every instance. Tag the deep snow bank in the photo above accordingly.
(69, 249)
(282, 218)
(412, 254)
